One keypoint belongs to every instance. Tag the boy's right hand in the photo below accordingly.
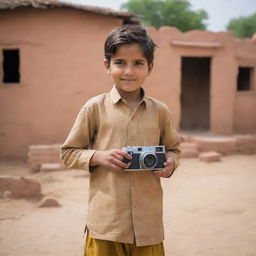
(112, 159)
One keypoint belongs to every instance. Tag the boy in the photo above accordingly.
(125, 207)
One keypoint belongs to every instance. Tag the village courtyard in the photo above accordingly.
(209, 210)
(209, 207)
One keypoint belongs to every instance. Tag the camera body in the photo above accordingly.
(145, 157)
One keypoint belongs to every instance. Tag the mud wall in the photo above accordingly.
(61, 66)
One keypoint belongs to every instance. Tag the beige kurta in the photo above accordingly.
(123, 206)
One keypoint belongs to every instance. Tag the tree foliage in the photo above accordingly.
(243, 26)
(159, 13)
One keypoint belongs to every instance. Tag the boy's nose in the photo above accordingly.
(128, 70)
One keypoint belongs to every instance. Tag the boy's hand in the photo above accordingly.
(112, 159)
(168, 170)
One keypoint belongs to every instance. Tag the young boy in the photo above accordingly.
(125, 207)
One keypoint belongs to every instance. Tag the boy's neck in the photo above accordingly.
(132, 98)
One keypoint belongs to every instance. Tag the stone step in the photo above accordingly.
(44, 159)
(223, 145)
(44, 149)
(43, 154)
(246, 144)
(210, 156)
(51, 167)
(189, 150)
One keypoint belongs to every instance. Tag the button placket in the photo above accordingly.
(132, 129)
(131, 136)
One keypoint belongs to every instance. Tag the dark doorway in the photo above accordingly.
(195, 94)
(11, 65)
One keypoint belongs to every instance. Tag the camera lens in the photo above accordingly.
(150, 161)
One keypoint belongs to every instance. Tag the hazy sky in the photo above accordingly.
(219, 11)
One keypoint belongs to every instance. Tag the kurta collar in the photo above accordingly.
(115, 96)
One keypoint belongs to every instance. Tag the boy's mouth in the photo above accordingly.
(128, 79)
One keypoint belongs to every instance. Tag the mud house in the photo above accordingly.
(52, 62)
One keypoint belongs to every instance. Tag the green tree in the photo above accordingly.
(243, 26)
(177, 13)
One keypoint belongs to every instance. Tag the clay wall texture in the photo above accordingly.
(61, 66)
(245, 101)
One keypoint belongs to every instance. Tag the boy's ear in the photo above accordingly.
(107, 65)
(150, 67)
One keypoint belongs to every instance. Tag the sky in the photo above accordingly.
(219, 11)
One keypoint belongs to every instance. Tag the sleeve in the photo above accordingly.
(76, 152)
(169, 136)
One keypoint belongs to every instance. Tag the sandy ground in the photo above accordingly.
(210, 210)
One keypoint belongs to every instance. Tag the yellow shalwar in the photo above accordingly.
(96, 247)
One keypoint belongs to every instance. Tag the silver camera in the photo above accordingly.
(145, 157)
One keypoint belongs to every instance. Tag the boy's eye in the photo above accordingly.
(139, 63)
(118, 62)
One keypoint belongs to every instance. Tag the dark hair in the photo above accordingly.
(130, 34)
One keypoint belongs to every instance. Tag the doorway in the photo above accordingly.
(195, 94)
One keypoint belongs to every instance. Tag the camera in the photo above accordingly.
(145, 157)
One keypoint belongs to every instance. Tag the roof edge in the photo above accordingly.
(44, 4)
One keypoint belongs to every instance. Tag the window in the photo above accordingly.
(244, 79)
(11, 66)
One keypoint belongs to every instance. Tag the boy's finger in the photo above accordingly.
(115, 167)
(168, 162)
(156, 173)
(163, 173)
(125, 154)
(119, 157)
(159, 174)
(120, 163)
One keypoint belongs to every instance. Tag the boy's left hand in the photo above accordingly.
(168, 170)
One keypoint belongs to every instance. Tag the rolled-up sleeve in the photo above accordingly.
(76, 151)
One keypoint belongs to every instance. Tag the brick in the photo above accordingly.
(44, 148)
(50, 167)
(44, 159)
(19, 187)
(189, 145)
(210, 156)
(189, 153)
(223, 145)
(189, 150)
(185, 138)
(43, 154)
(246, 144)
(47, 153)
(49, 202)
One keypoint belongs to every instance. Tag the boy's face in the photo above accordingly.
(128, 68)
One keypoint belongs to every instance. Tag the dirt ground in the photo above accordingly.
(210, 210)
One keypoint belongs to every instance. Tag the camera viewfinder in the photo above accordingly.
(159, 149)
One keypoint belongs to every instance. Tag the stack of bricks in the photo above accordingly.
(211, 148)
(44, 157)
(223, 145)
(210, 156)
(236, 144)
(246, 144)
(189, 150)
